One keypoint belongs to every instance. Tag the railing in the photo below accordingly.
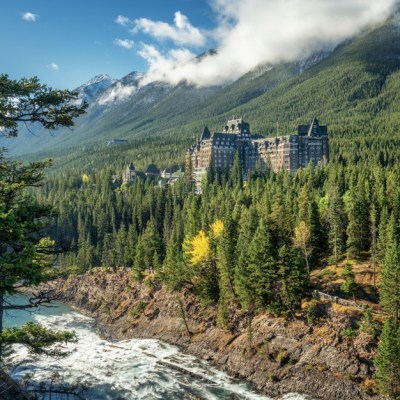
(335, 299)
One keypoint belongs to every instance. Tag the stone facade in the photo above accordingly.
(129, 174)
(289, 152)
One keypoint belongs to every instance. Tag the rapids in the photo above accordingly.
(135, 369)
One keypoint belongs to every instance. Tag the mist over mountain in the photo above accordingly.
(335, 84)
(250, 33)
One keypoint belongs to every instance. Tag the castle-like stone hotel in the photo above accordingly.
(289, 152)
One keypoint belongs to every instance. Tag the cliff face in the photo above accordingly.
(277, 357)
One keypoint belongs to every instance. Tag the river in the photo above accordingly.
(135, 369)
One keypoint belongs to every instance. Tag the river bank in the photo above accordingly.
(282, 356)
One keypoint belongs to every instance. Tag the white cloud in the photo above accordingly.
(127, 44)
(161, 66)
(53, 66)
(255, 32)
(118, 93)
(30, 17)
(121, 20)
(182, 33)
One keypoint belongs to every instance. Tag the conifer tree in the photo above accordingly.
(120, 247)
(358, 220)
(236, 174)
(336, 221)
(131, 242)
(23, 248)
(108, 258)
(373, 217)
(139, 264)
(349, 285)
(248, 224)
(292, 280)
(174, 271)
(390, 276)
(226, 260)
(262, 269)
(387, 361)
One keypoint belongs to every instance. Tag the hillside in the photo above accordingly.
(281, 357)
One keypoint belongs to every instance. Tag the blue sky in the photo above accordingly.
(79, 36)
(67, 42)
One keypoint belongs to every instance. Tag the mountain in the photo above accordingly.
(120, 108)
(94, 87)
(351, 88)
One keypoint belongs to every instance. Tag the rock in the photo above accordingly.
(284, 356)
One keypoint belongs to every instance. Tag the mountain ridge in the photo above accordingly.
(352, 84)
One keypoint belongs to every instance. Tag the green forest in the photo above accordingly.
(242, 245)
(250, 245)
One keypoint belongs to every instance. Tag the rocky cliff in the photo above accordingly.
(277, 356)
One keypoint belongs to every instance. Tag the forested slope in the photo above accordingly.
(355, 90)
(252, 247)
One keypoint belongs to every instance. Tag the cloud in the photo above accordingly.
(117, 93)
(182, 33)
(161, 65)
(127, 44)
(123, 21)
(53, 66)
(30, 17)
(250, 33)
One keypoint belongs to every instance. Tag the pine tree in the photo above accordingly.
(226, 260)
(248, 224)
(174, 272)
(349, 285)
(390, 277)
(373, 217)
(262, 269)
(292, 280)
(108, 258)
(139, 265)
(120, 247)
(336, 223)
(236, 175)
(387, 361)
(358, 220)
(131, 242)
(23, 247)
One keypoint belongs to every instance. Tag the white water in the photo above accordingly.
(136, 369)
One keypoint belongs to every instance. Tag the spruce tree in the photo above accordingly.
(390, 276)
(336, 221)
(236, 175)
(387, 361)
(226, 260)
(349, 285)
(248, 224)
(262, 269)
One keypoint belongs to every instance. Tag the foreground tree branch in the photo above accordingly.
(29, 101)
(26, 254)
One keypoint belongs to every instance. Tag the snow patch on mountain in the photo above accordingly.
(94, 87)
(122, 90)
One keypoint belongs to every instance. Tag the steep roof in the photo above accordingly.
(314, 129)
(237, 125)
(152, 169)
(206, 134)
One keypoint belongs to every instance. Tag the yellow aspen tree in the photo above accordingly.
(302, 239)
